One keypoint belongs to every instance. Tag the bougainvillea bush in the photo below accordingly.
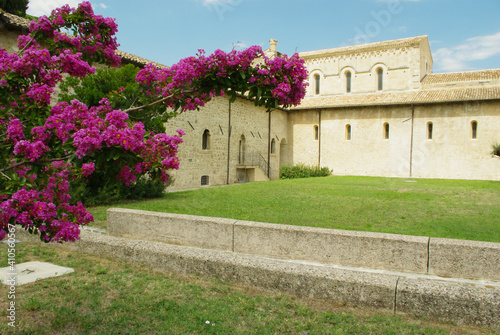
(44, 146)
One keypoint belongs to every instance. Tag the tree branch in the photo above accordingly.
(44, 161)
(154, 103)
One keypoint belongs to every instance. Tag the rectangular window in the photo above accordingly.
(386, 131)
(316, 82)
(380, 75)
(348, 77)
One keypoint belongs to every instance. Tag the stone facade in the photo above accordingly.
(403, 64)
(407, 123)
(221, 129)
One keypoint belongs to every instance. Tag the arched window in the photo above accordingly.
(348, 77)
(473, 125)
(429, 130)
(316, 132)
(348, 132)
(205, 140)
(204, 180)
(273, 146)
(386, 131)
(380, 79)
(316, 84)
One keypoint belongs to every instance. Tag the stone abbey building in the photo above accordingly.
(375, 109)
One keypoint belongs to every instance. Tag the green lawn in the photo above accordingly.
(457, 209)
(107, 297)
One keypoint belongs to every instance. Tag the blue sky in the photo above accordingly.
(464, 34)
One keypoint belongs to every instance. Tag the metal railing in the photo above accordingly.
(253, 159)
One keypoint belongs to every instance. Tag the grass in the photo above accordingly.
(458, 209)
(103, 296)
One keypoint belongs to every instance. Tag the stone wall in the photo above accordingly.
(451, 153)
(412, 254)
(246, 132)
(8, 40)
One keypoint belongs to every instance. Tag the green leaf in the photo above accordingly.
(233, 97)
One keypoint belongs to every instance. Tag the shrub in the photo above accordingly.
(496, 149)
(96, 191)
(303, 171)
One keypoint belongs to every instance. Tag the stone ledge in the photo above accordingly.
(450, 300)
(415, 254)
(468, 259)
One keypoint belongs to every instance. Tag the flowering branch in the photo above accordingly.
(154, 103)
(28, 162)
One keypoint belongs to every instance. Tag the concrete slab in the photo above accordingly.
(464, 259)
(29, 272)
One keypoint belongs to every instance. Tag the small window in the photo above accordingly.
(429, 130)
(316, 83)
(316, 133)
(204, 180)
(205, 142)
(273, 146)
(386, 131)
(348, 77)
(473, 125)
(380, 79)
(348, 132)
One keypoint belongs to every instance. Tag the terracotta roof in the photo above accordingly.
(22, 23)
(399, 98)
(139, 61)
(14, 20)
(455, 77)
(404, 42)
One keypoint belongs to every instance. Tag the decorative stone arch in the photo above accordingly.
(316, 79)
(379, 73)
(346, 82)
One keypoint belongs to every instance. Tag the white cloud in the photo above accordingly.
(220, 3)
(209, 3)
(475, 48)
(45, 7)
(388, 1)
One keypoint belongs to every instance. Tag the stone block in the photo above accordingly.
(448, 301)
(464, 259)
(300, 279)
(189, 230)
(350, 248)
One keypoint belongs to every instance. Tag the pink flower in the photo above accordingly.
(87, 169)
